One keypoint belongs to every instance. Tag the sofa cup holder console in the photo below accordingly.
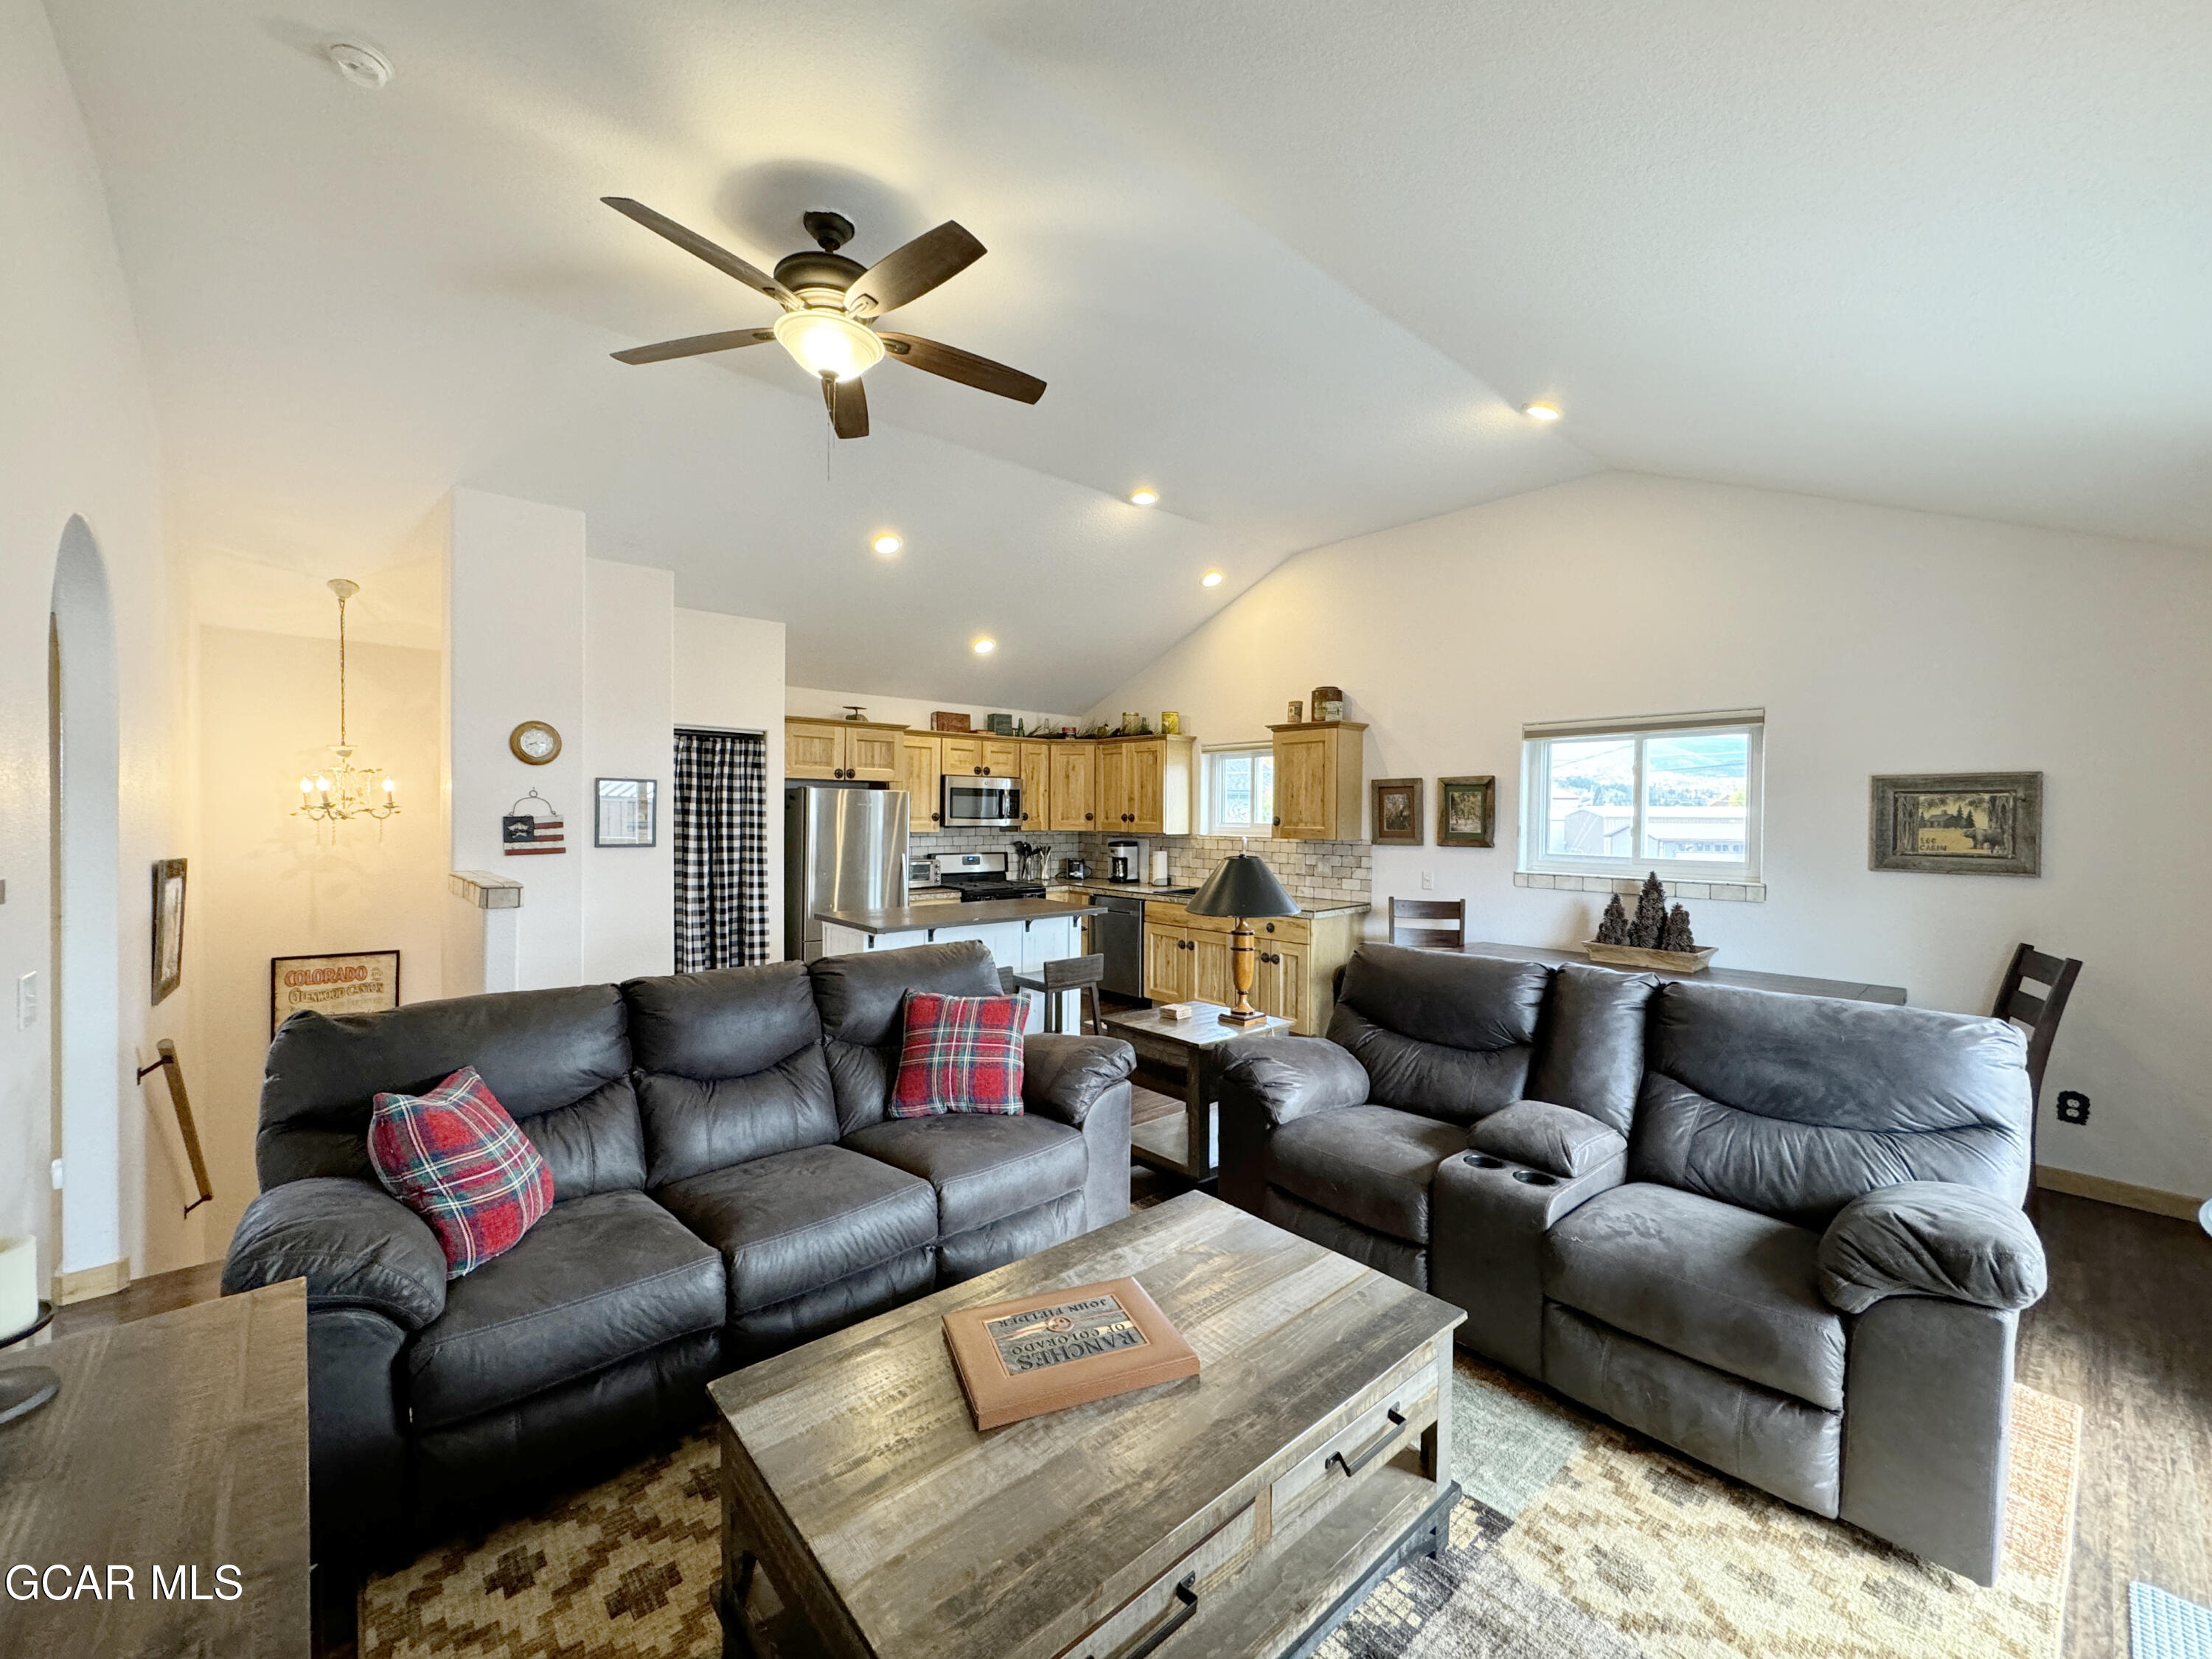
(1526, 1177)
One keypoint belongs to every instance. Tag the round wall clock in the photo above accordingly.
(534, 742)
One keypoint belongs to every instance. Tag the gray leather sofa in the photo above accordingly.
(727, 1183)
(1780, 1234)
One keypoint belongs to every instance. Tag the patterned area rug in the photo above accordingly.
(1576, 1540)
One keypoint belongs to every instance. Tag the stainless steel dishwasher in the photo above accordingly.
(1119, 936)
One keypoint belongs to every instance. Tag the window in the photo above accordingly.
(1240, 791)
(1677, 794)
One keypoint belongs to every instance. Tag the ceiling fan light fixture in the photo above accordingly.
(829, 343)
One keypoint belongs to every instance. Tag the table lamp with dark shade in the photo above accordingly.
(1242, 887)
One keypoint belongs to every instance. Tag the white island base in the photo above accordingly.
(1023, 945)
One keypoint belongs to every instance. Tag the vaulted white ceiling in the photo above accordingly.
(1295, 263)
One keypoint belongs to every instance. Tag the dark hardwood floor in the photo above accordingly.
(2126, 1333)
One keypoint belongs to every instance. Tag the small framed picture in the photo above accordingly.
(347, 983)
(1466, 811)
(168, 925)
(1957, 823)
(1396, 804)
(625, 817)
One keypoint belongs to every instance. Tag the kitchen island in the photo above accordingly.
(1022, 934)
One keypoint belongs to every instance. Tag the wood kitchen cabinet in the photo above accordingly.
(1171, 963)
(1318, 785)
(919, 752)
(1002, 758)
(960, 756)
(1074, 795)
(839, 749)
(1293, 975)
(1144, 785)
(1036, 785)
(1280, 980)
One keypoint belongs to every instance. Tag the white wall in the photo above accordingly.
(1877, 640)
(77, 437)
(630, 719)
(729, 674)
(268, 884)
(514, 652)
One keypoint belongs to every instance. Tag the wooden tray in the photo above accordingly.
(1629, 955)
(1150, 1350)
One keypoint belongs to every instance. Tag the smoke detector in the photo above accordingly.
(365, 66)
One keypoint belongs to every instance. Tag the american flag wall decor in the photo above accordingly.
(524, 832)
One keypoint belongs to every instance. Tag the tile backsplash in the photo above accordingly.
(1340, 872)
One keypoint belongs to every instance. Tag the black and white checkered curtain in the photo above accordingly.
(722, 850)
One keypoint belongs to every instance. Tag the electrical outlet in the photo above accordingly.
(27, 1001)
(1428, 881)
(2073, 1106)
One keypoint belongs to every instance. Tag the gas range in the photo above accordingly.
(984, 887)
(979, 875)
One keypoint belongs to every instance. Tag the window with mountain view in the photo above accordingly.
(1680, 796)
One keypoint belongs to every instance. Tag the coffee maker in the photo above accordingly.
(1125, 861)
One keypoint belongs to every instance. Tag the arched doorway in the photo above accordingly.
(83, 775)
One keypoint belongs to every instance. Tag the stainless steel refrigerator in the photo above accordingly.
(844, 848)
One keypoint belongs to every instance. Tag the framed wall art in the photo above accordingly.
(1466, 811)
(1957, 823)
(1395, 813)
(168, 925)
(625, 812)
(346, 983)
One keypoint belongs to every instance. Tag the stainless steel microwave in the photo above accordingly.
(979, 802)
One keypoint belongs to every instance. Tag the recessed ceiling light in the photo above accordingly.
(1211, 578)
(887, 544)
(1541, 411)
(985, 648)
(365, 66)
(1144, 497)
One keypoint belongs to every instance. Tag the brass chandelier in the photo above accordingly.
(346, 791)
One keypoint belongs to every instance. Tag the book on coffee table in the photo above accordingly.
(1044, 1353)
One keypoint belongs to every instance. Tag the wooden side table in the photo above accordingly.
(1189, 1146)
(178, 1443)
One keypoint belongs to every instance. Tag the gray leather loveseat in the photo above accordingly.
(1781, 1234)
(727, 1183)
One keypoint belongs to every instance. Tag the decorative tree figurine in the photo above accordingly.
(1676, 935)
(1612, 926)
(1650, 915)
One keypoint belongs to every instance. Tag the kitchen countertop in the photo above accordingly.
(936, 918)
(1173, 895)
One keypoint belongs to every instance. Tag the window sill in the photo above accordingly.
(1746, 892)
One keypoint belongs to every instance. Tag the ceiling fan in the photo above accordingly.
(830, 304)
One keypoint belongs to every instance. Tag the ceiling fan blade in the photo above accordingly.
(965, 366)
(695, 345)
(911, 271)
(692, 242)
(848, 401)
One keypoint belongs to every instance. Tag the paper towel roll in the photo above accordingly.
(1159, 869)
(19, 1285)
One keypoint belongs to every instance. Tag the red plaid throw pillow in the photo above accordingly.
(455, 1157)
(960, 1055)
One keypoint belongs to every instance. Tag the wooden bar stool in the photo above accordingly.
(1081, 973)
(1429, 924)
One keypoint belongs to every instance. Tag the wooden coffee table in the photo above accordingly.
(1190, 1145)
(1241, 1511)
